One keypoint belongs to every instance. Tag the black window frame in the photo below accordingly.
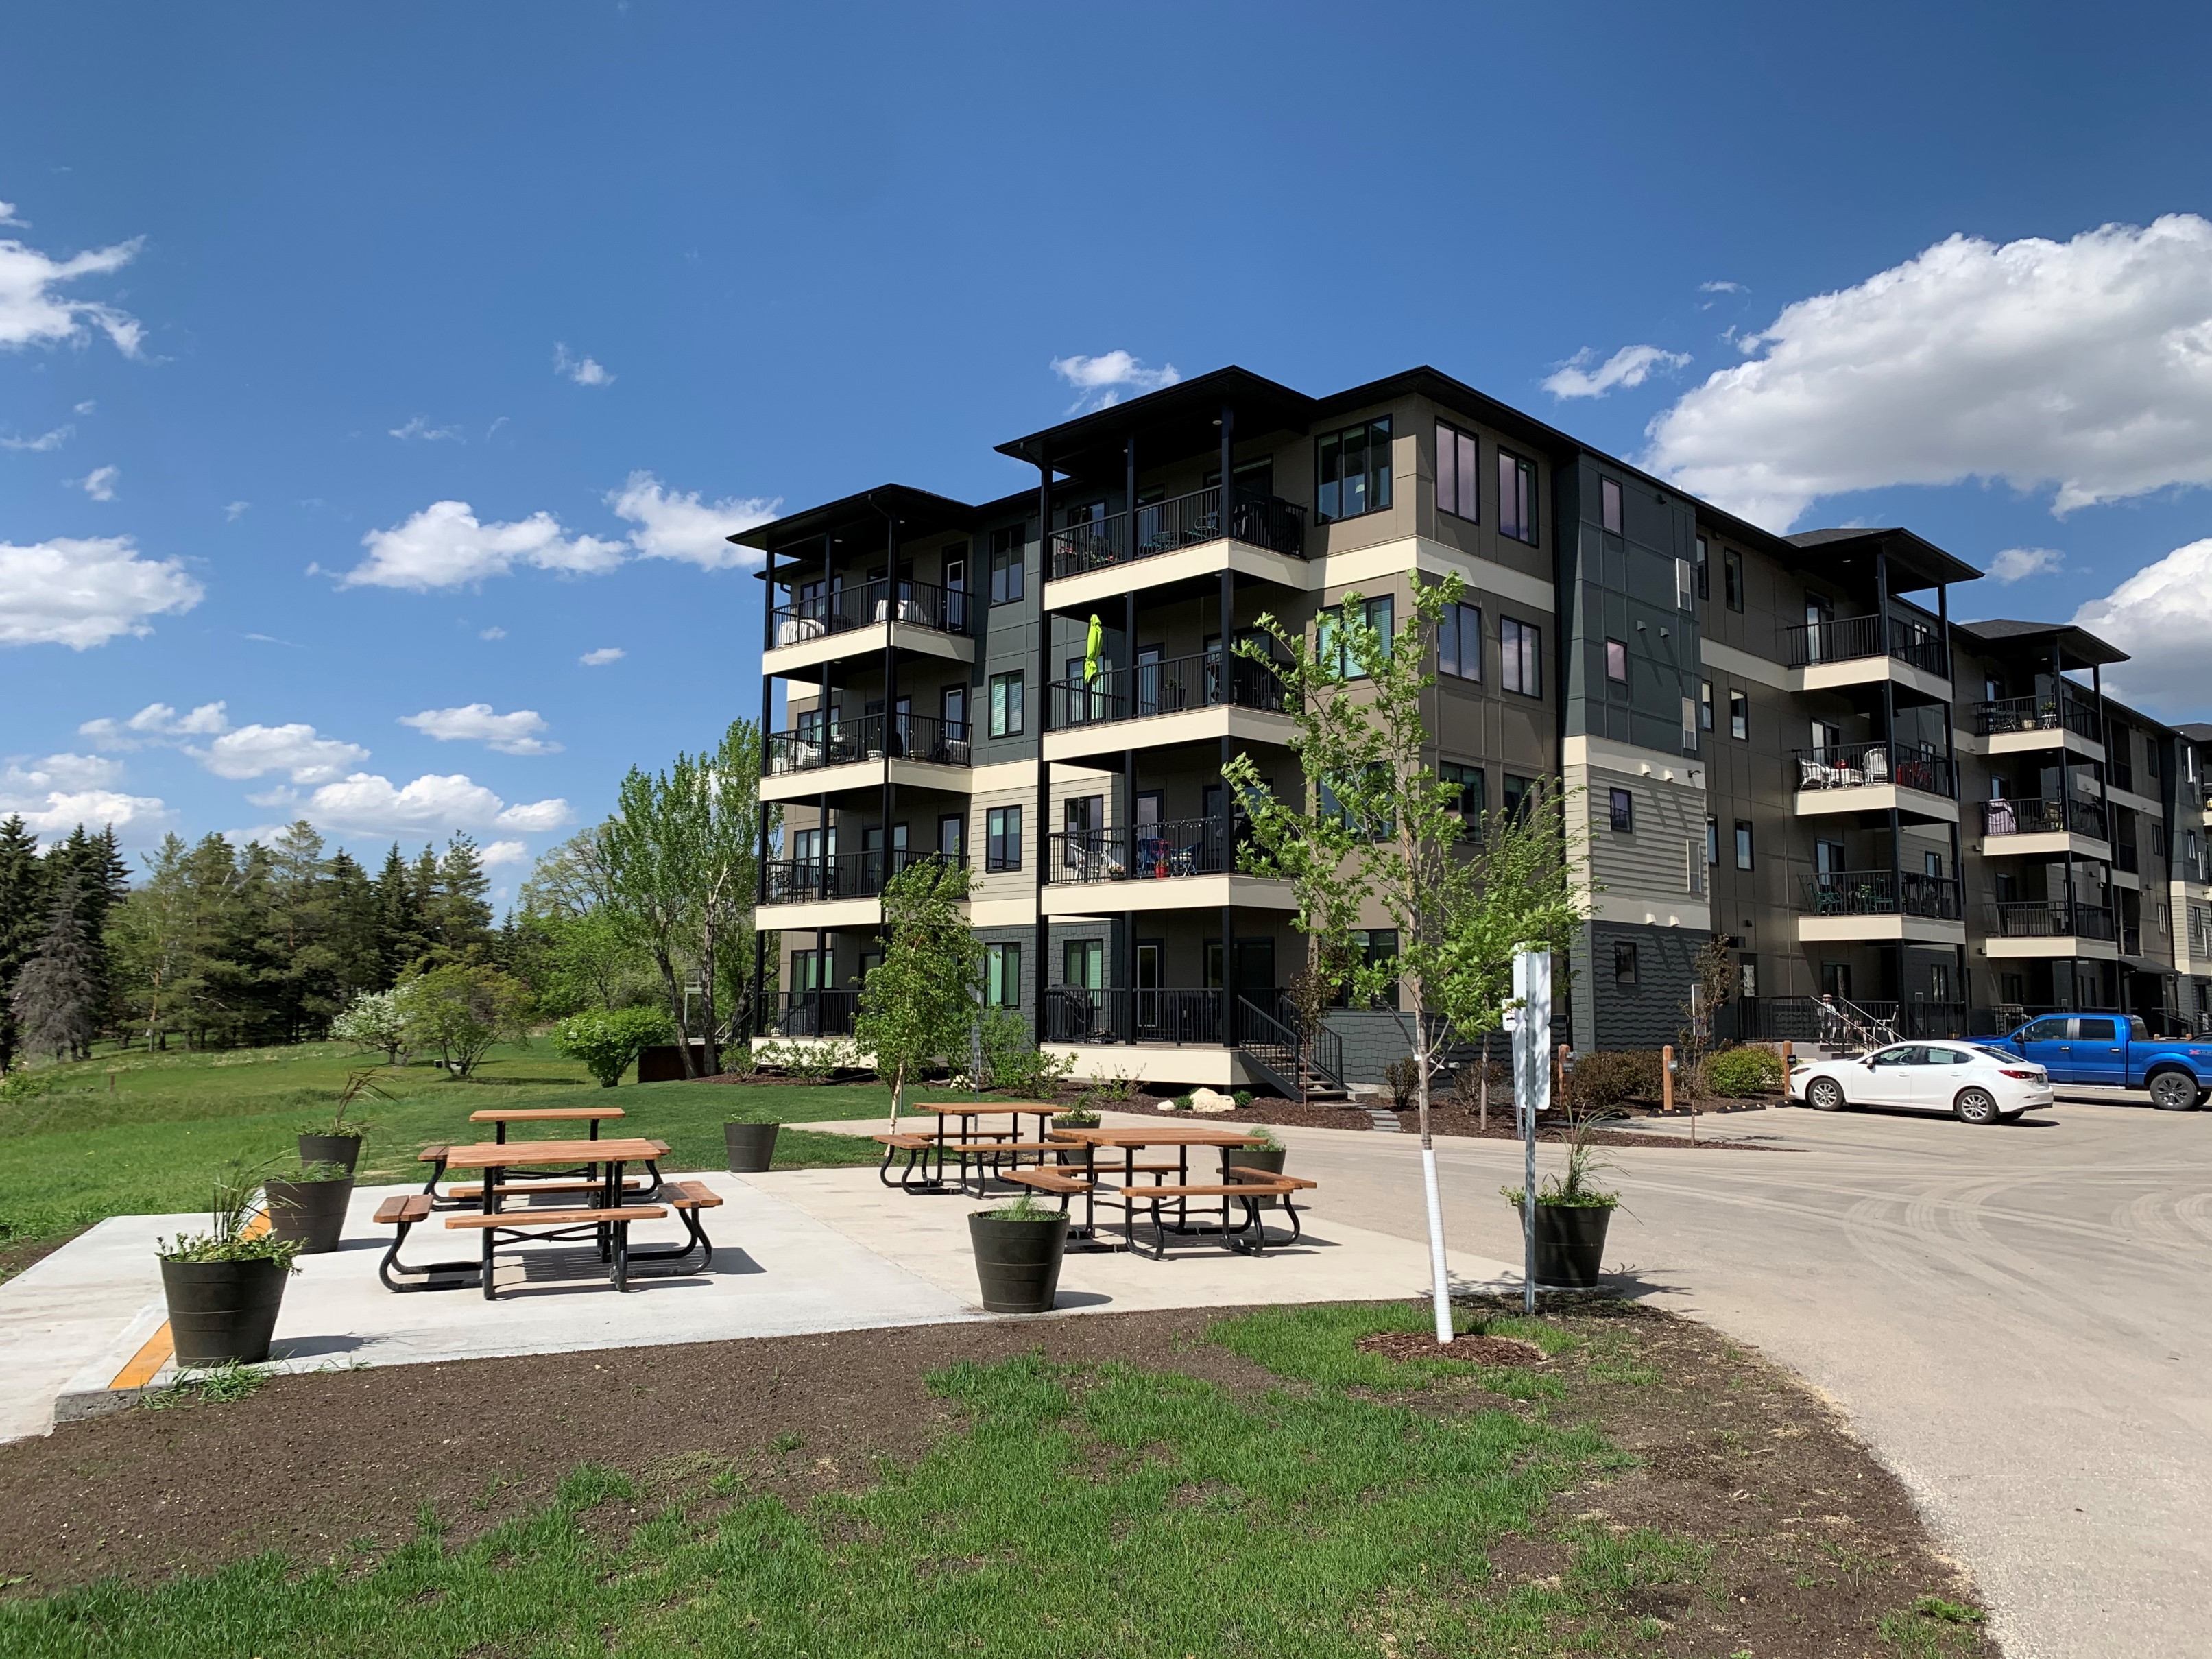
(1009, 577)
(995, 707)
(1705, 577)
(1516, 507)
(1739, 715)
(1465, 470)
(1732, 579)
(1616, 651)
(1473, 784)
(1009, 984)
(1002, 839)
(1746, 850)
(1620, 810)
(1512, 658)
(1706, 706)
(1329, 448)
(1460, 626)
(1612, 508)
(1623, 962)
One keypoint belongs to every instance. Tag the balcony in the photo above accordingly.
(2047, 920)
(1880, 893)
(2008, 715)
(1852, 639)
(1870, 766)
(813, 1014)
(841, 875)
(2042, 818)
(848, 743)
(1169, 526)
(1152, 691)
(1164, 1018)
(1845, 1024)
(854, 619)
(1184, 864)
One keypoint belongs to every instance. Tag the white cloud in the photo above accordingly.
(444, 546)
(84, 593)
(58, 811)
(511, 734)
(33, 314)
(673, 526)
(2085, 365)
(2016, 563)
(157, 722)
(504, 852)
(367, 802)
(281, 794)
(584, 371)
(421, 427)
(1631, 366)
(87, 407)
(232, 511)
(100, 483)
(1101, 380)
(1722, 288)
(63, 772)
(494, 632)
(44, 443)
(253, 751)
(602, 657)
(2162, 617)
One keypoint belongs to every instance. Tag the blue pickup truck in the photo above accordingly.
(2117, 1051)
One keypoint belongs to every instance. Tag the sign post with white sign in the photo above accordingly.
(1530, 1021)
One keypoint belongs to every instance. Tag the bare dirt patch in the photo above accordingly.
(1472, 1350)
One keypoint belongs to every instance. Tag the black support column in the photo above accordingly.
(1043, 926)
(1125, 969)
(755, 1026)
(1951, 766)
(1225, 828)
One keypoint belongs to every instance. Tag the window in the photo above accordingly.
(1374, 948)
(1332, 807)
(1623, 962)
(1713, 841)
(1616, 661)
(953, 835)
(1747, 977)
(1458, 482)
(1002, 839)
(1689, 725)
(1743, 844)
(1459, 642)
(1002, 976)
(1705, 575)
(1740, 715)
(1682, 600)
(1006, 705)
(1932, 864)
(1732, 579)
(1469, 781)
(1083, 964)
(1608, 506)
(1329, 641)
(1704, 705)
(1354, 470)
(1519, 658)
(1693, 859)
(1517, 793)
(1622, 805)
(1516, 498)
(1009, 553)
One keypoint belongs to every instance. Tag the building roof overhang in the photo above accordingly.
(1172, 425)
(862, 519)
(2077, 647)
(1913, 561)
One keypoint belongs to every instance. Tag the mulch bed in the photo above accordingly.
(1813, 1541)
(1474, 1349)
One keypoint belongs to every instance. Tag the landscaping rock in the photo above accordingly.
(1211, 1103)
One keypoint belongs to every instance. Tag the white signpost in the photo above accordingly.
(1530, 1024)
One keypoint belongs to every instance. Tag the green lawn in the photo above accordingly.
(137, 1132)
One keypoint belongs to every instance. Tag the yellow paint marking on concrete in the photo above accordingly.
(147, 1362)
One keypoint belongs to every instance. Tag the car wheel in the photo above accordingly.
(1976, 1106)
(2174, 1092)
(1824, 1094)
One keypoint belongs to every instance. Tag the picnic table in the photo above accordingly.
(500, 1116)
(603, 1214)
(1129, 1139)
(985, 1148)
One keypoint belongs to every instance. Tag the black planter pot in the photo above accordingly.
(309, 1213)
(752, 1145)
(1077, 1158)
(222, 1311)
(330, 1149)
(1569, 1244)
(1018, 1261)
(1248, 1157)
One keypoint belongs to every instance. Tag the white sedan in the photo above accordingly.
(1977, 1084)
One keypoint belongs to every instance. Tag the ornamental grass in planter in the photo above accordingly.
(1018, 1248)
(1076, 1117)
(1572, 1212)
(752, 1146)
(224, 1287)
(338, 1141)
(1267, 1155)
(309, 1210)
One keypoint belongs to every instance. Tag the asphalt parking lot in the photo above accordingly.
(2015, 1317)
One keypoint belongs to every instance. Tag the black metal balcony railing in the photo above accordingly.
(2042, 919)
(813, 1013)
(2036, 714)
(1853, 637)
(863, 604)
(1864, 765)
(2042, 818)
(1163, 687)
(1880, 893)
(1189, 520)
(1805, 1019)
(1178, 1019)
(839, 743)
(1150, 852)
(842, 875)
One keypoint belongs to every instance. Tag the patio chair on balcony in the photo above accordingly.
(794, 630)
(1997, 820)
(1812, 775)
(1877, 766)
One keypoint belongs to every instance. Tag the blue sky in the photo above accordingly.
(298, 275)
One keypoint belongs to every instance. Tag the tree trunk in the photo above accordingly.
(898, 1098)
(1440, 1285)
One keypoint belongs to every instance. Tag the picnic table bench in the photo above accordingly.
(985, 1149)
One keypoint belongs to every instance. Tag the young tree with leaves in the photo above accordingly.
(921, 1002)
(462, 1009)
(1375, 835)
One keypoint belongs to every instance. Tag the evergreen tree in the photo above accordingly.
(23, 920)
(56, 999)
(399, 944)
(460, 917)
(356, 957)
(302, 898)
(148, 938)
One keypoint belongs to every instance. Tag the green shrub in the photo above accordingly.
(1604, 1079)
(1243, 1098)
(607, 1041)
(1736, 1073)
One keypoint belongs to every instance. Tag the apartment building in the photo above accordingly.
(1787, 741)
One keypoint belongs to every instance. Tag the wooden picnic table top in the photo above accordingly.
(500, 1154)
(1163, 1134)
(982, 1108)
(545, 1114)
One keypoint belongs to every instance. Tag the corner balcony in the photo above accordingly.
(2042, 829)
(1875, 777)
(1184, 864)
(1829, 656)
(1167, 541)
(2013, 725)
(844, 889)
(2046, 928)
(1844, 906)
(1181, 700)
(920, 749)
(869, 617)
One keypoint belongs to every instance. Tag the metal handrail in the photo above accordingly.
(841, 742)
(843, 875)
(1880, 893)
(2041, 817)
(1145, 688)
(1175, 1018)
(1178, 846)
(2046, 919)
(815, 1013)
(862, 604)
(1866, 765)
(2036, 714)
(1850, 638)
(1180, 521)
